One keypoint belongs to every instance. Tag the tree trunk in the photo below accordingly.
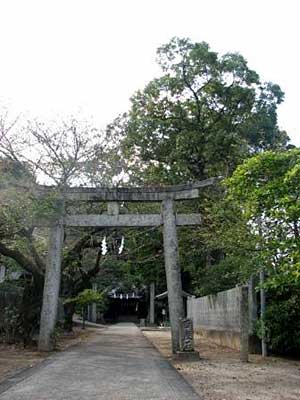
(31, 309)
(69, 310)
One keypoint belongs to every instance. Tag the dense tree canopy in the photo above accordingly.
(264, 192)
(202, 117)
(267, 189)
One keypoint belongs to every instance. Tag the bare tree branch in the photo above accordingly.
(26, 263)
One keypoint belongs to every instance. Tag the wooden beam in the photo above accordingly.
(128, 220)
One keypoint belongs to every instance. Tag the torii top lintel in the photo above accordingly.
(142, 194)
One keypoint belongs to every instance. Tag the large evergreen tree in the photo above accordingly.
(201, 117)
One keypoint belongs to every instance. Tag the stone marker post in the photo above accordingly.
(244, 324)
(173, 275)
(152, 305)
(51, 287)
(186, 334)
(186, 337)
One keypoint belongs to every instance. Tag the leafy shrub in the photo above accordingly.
(282, 322)
(10, 324)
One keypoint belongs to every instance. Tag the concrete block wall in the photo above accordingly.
(218, 317)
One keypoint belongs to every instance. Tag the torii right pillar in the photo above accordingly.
(174, 285)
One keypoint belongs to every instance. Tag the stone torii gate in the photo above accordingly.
(168, 219)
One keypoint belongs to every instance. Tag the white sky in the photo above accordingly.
(59, 56)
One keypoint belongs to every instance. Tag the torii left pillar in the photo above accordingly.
(51, 288)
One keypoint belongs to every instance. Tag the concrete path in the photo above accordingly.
(119, 364)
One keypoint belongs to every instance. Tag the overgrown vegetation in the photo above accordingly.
(266, 192)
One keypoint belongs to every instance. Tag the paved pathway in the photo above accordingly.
(119, 364)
